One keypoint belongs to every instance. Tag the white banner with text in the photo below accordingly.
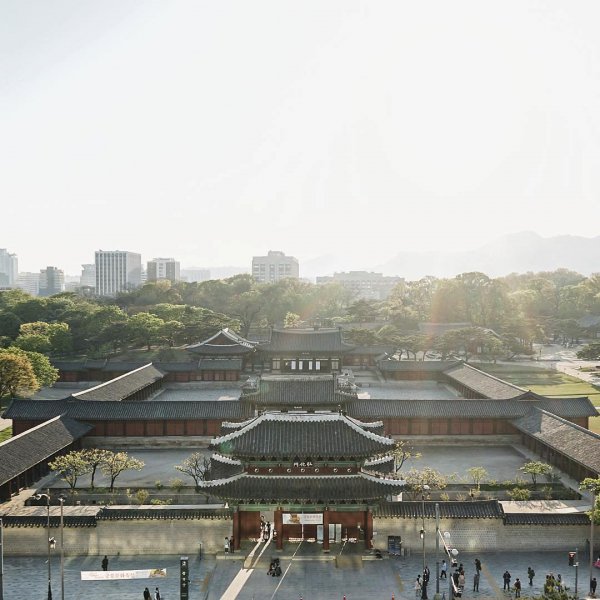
(133, 574)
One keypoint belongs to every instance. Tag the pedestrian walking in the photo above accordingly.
(105, 563)
(226, 546)
(461, 580)
(268, 529)
(476, 581)
(147, 594)
(506, 579)
(593, 583)
(517, 588)
(477, 565)
(443, 570)
(418, 587)
(530, 574)
(157, 594)
(426, 574)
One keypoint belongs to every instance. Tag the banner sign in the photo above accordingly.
(302, 518)
(136, 574)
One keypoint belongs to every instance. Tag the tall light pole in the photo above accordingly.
(51, 540)
(592, 516)
(452, 553)
(62, 549)
(1, 560)
(424, 582)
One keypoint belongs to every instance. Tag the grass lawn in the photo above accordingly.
(547, 383)
(5, 434)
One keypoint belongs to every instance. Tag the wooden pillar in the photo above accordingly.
(368, 529)
(278, 525)
(326, 530)
(236, 528)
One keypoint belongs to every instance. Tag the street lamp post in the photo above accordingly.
(62, 548)
(424, 582)
(1, 560)
(452, 553)
(51, 540)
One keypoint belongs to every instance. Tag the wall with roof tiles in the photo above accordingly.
(128, 537)
(472, 535)
(131, 537)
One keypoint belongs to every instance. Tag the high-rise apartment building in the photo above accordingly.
(52, 281)
(163, 268)
(88, 276)
(29, 282)
(117, 271)
(275, 266)
(195, 274)
(364, 285)
(9, 268)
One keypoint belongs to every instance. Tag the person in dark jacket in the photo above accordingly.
(105, 563)
(147, 594)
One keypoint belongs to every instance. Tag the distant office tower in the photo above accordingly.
(163, 268)
(29, 282)
(195, 274)
(275, 266)
(9, 268)
(117, 271)
(88, 276)
(364, 285)
(52, 281)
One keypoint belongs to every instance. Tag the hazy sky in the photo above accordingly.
(212, 131)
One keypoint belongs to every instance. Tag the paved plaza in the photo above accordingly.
(305, 575)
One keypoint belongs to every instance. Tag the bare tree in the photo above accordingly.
(197, 466)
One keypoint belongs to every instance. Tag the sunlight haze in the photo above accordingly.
(214, 131)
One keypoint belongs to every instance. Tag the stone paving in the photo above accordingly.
(309, 577)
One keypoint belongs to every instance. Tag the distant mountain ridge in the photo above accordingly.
(513, 253)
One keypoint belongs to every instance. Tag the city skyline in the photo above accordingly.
(199, 131)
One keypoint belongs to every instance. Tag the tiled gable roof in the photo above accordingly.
(305, 340)
(478, 381)
(576, 442)
(224, 343)
(303, 435)
(122, 387)
(546, 519)
(222, 466)
(453, 408)
(297, 390)
(127, 411)
(429, 366)
(27, 449)
(312, 488)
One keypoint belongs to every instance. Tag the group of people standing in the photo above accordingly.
(149, 596)
(265, 530)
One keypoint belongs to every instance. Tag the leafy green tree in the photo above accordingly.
(16, 375)
(519, 494)
(171, 331)
(9, 324)
(477, 474)
(593, 485)
(417, 480)
(115, 463)
(535, 469)
(145, 329)
(34, 343)
(291, 320)
(45, 374)
(590, 352)
(70, 467)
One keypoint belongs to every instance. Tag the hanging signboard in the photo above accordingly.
(302, 518)
(133, 574)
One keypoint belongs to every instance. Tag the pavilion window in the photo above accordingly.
(317, 365)
(293, 365)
